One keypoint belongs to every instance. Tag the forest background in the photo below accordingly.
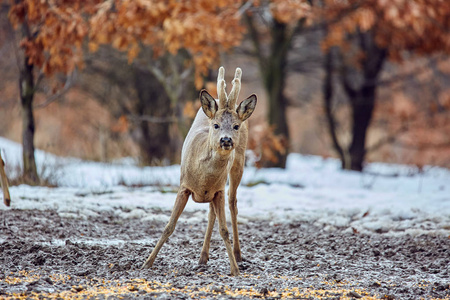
(363, 80)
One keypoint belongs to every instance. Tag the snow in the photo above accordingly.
(386, 198)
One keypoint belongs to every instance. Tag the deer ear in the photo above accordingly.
(246, 108)
(209, 104)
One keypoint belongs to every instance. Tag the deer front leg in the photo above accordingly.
(219, 208)
(180, 204)
(235, 179)
(232, 202)
(204, 256)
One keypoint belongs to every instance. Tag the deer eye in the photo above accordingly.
(216, 126)
(236, 127)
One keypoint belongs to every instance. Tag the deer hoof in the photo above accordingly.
(148, 264)
(238, 256)
(235, 272)
(145, 266)
(204, 257)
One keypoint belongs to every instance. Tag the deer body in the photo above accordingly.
(213, 151)
(204, 171)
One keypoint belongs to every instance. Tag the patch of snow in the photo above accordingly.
(386, 198)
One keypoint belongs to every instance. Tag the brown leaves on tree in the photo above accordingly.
(201, 27)
(53, 32)
(121, 125)
(289, 11)
(417, 26)
(56, 30)
(266, 145)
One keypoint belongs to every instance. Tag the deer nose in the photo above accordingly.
(226, 142)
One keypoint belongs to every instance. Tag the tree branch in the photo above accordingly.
(254, 36)
(67, 85)
(328, 97)
(343, 13)
(346, 83)
(151, 119)
(243, 9)
(387, 139)
(417, 70)
(423, 147)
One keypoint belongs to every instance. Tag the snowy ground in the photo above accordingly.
(311, 231)
(388, 199)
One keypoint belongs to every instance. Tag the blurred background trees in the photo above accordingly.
(170, 47)
(148, 110)
(272, 26)
(50, 36)
(360, 37)
(363, 80)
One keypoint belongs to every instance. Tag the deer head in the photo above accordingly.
(224, 117)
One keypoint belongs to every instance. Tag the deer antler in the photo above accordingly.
(232, 97)
(221, 93)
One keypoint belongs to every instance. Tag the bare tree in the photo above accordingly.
(147, 95)
(360, 37)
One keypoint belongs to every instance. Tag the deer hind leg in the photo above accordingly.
(219, 208)
(204, 256)
(180, 204)
(235, 179)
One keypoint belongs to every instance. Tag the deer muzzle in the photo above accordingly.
(226, 143)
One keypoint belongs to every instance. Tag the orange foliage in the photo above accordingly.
(202, 27)
(266, 145)
(121, 125)
(417, 116)
(419, 26)
(190, 109)
(57, 29)
(288, 11)
(53, 32)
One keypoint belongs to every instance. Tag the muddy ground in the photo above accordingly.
(44, 256)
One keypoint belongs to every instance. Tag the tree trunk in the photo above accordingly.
(273, 69)
(143, 98)
(363, 99)
(274, 72)
(328, 92)
(154, 138)
(362, 111)
(26, 96)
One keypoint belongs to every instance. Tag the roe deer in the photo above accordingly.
(214, 149)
